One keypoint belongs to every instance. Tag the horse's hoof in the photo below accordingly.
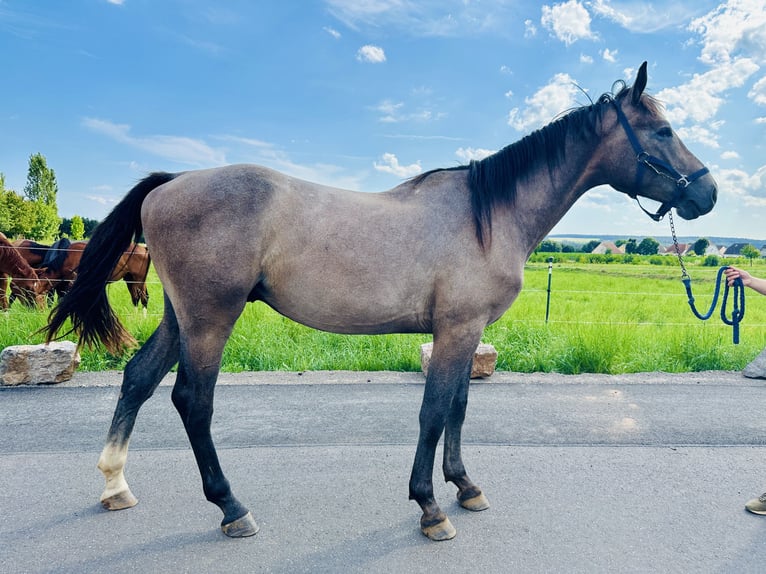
(475, 503)
(440, 531)
(119, 500)
(241, 527)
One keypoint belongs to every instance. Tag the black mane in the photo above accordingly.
(492, 180)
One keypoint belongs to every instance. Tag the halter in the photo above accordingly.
(658, 166)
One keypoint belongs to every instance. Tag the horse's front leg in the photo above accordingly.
(469, 495)
(450, 365)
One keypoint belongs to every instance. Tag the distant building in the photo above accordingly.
(676, 249)
(734, 250)
(608, 247)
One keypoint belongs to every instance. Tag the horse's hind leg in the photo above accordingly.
(201, 351)
(469, 495)
(142, 375)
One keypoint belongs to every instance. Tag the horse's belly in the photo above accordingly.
(353, 314)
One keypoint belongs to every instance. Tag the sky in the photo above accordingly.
(362, 94)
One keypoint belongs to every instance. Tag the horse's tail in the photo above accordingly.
(86, 303)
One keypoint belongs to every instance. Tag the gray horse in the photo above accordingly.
(443, 253)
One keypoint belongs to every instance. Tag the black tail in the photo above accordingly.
(86, 303)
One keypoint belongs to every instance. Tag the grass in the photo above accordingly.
(604, 318)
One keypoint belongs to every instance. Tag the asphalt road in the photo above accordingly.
(638, 473)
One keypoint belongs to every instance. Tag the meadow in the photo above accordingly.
(612, 315)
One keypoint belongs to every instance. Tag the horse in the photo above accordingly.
(132, 267)
(441, 253)
(20, 276)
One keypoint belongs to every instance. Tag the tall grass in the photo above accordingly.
(604, 318)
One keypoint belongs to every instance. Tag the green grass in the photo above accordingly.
(604, 318)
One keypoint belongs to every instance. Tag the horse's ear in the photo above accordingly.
(638, 85)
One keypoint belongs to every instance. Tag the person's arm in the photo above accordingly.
(755, 283)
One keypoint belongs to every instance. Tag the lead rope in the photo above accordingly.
(738, 310)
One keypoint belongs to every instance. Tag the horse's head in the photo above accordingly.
(30, 291)
(647, 158)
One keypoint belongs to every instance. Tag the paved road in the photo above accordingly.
(640, 473)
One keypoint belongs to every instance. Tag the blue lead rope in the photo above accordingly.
(738, 311)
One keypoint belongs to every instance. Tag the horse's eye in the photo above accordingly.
(665, 132)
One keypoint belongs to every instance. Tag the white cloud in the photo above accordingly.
(758, 92)
(609, 55)
(371, 54)
(569, 21)
(116, 2)
(390, 164)
(175, 148)
(585, 59)
(559, 95)
(738, 26)
(730, 154)
(699, 99)
(645, 17)
(747, 188)
(332, 32)
(700, 134)
(393, 112)
(530, 30)
(441, 18)
(466, 154)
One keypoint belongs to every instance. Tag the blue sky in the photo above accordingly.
(362, 94)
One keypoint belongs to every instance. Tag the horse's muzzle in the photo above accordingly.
(699, 200)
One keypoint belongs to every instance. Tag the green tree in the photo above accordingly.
(648, 246)
(17, 216)
(751, 252)
(41, 189)
(631, 247)
(700, 246)
(41, 181)
(77, 229)
(549, 246)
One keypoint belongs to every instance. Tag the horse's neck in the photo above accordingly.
(11, 262)
(545, 195)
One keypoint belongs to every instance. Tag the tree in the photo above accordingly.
(648, 246)
(17, 216)
(77, 229)
(549, 246)
(750, 252)
(41, 181)
(41, 190)
(700, 246)
(631, 247)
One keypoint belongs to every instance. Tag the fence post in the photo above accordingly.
(548, 301)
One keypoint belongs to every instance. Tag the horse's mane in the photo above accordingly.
(56, 255)
(492, 180)
(38, 249)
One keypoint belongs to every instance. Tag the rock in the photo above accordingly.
(756, 369)
(38, 364)
(484, 360)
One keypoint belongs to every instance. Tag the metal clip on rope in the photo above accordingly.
(738, 310)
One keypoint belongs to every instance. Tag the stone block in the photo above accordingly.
(38, 364)
(484, 360)
(756, 369)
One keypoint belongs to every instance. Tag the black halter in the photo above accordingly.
(658, 166)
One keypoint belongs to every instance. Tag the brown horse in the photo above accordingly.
(443, 253)
(60, 272)
(20, 276)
